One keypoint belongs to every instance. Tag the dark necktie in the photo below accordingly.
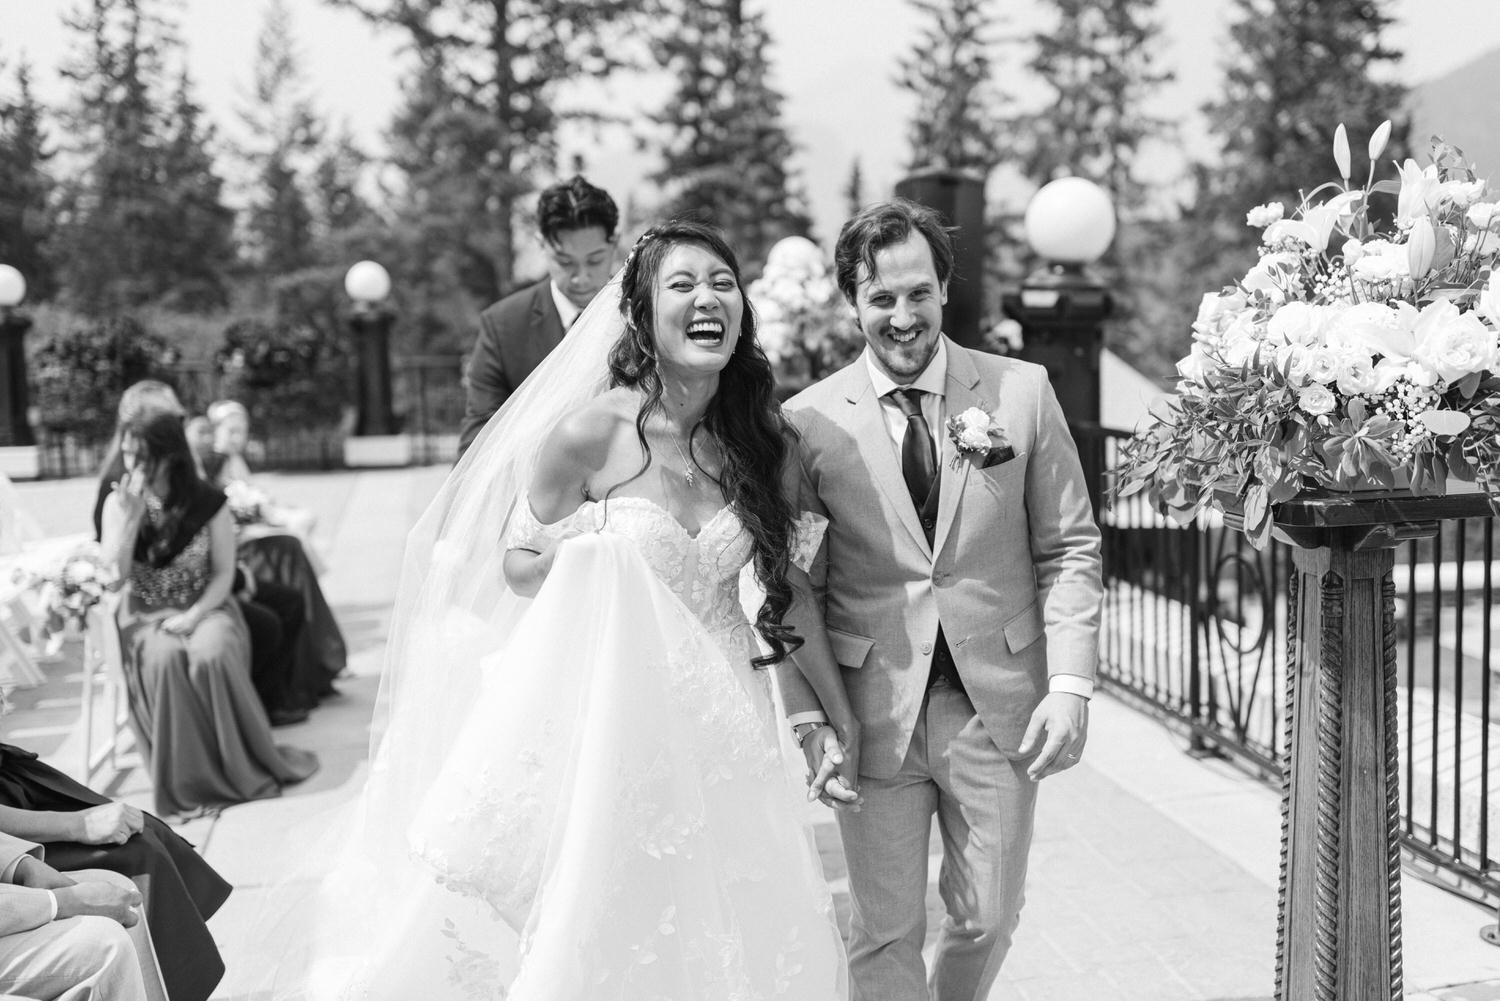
(918, 455)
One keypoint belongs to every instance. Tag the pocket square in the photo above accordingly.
(997, 455)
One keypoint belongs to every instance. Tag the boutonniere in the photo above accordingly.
(975, 434)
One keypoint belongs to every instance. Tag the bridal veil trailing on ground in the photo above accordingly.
(576, 796)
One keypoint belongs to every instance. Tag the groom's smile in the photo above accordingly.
(900, 307)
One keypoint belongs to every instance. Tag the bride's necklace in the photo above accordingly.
(687, 462)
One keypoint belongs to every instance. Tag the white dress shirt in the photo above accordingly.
(566, 311)
(933, 382)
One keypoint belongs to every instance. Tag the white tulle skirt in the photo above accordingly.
(613, 820)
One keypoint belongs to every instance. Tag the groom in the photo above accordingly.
(959, 581)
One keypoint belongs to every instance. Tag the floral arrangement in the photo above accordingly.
(247, 504)
(1360, 351)
(803, 324)
(973, 434)
(69, 590)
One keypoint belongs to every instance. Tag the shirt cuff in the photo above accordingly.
(1073, 684)
(811, 716)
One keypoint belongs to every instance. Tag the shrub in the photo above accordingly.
(286, 374)
(79, 370)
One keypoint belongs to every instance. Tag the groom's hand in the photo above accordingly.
(1064, 717)
(831, 770)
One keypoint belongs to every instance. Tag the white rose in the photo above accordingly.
(973, 438)
(1453, 344)
(1355, 374)
(1316, 400)
(1215, 309)
(1485, 215)
(1295, 323)
(1461, 193)
(1374, 328)
(1195, 365)
(1489, 301)
(1263, 215)
(1353, 251)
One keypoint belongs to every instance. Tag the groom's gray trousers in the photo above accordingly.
(984, 805)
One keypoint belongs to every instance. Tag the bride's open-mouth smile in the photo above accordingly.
(706, 333)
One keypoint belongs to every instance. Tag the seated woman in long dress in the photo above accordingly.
(201, 726)
(276, 541)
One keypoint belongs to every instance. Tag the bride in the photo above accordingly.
(578, 791)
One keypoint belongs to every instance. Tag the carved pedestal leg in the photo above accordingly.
(1339, 920)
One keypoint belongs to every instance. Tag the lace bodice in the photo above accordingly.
(702, 570)
(178, 584)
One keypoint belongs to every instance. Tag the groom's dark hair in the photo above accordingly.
(575, 204)
(882, 225)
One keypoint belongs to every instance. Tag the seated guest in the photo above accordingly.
(82, 830)
(283, 662)
(202, 729)
(67, 938)
(285, 559)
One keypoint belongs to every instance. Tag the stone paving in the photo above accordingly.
(1153, 875)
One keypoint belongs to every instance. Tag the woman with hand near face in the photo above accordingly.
(201, 726)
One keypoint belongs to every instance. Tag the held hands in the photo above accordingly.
(1065, 719)
(97, 897)
(181, 623)
(112, 823)
(833, 767)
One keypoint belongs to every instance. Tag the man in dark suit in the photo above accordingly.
(576, 225)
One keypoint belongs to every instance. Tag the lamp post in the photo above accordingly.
(958, 196)
(376, 441)
(18, 456)
(14, 428)
(1069, 223)
(1061, 307)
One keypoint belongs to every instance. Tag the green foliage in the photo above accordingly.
(25, 188)
(950, 72)
(1294, 67)
(725, 155)
(478, 129)
(79, 371)
(1098, 65)
(291, 376)
(141, 219)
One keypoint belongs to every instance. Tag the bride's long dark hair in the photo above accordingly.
(743, 417)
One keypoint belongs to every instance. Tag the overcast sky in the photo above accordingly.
(835, 60)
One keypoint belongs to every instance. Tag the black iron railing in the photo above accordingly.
(1195, 629)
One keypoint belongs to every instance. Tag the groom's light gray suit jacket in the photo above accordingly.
(1014, 559)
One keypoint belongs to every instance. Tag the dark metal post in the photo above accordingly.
(958, 196)
(1062, 309)
(372, 336)
(15, 400)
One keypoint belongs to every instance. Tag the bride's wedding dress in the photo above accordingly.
(614, 819)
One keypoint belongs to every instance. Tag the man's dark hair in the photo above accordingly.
(575, 204)
(882, 225)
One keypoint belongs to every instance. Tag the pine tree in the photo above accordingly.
(479, 127)
(197, 235)
(25, 188)
(854, 190)
(141, 219)
(1099, 66)
(950, 73)
(726, 154)
(285, 132)
(1298, 68)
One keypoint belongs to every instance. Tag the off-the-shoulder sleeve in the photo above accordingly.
(807, 536)
(526, 532)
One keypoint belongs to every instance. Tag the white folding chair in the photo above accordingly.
(17, 663)
(103, 668)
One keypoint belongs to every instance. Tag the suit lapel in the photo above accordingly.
(867, 423)
(544, 317)
(960, 393)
